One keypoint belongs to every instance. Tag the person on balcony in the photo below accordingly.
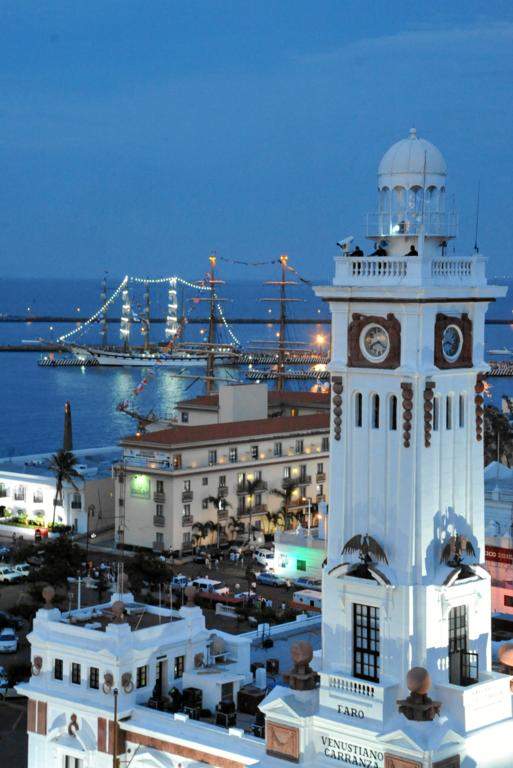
(357, 252)
(412, 252)
(380, 251)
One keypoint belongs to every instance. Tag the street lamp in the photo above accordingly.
(91, 509)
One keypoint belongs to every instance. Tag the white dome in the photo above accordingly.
(411, 161)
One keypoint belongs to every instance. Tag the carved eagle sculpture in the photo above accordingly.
(455, 549)
(367, 548)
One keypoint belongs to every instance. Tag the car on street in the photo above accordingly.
(8, 575)
(8, 640)
(8, 620)
(4, 552)
(23, 569)
(264, 556)
(200, 556)
(271, 580)
(209, 585)
(303, 582)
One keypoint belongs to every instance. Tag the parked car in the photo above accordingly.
(8, 620)
(8, 575)
(303, 582)
(199, 556)
(4, 681)
(209, 585)
(8, 640)
(179, 582)
(23, 569)
(271, 580)
(264, 556)
(4, 552)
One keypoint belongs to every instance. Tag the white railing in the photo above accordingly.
(450, 268)
(410, 270)
(379, 268)
(352, 686)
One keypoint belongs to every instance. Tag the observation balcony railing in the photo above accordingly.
(410, 270)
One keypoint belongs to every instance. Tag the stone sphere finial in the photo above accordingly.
(190, 593)
(302, 653)
(48, 593)
(418, 680)
(118, 610)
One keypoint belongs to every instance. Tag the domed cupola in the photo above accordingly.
(411, 183)
(412, 162)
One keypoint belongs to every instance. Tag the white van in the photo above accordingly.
(209, 585)
(264, 557)
(307, 599)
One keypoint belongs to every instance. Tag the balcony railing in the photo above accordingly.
(222, 491)
(242, 488)
(320, 477)
(222, 514)
(159, 497)
(187, 520)
(187, 496)
(147, 462)
(296, 480)
(159, 521)
(258, 509)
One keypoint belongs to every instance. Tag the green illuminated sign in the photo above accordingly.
(140, 486)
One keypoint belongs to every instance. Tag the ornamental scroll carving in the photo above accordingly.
(282, 741)
(429, 394)
(479, 400)
(407, 398)
(337, 387)
(392, 326)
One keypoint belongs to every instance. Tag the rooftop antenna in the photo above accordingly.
(476, 245)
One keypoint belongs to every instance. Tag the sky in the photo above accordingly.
(137, 137)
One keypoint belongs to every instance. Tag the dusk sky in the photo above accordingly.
(139, 136)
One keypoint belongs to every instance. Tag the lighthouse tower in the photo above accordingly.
(406, 677)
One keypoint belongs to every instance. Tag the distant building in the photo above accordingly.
(27, 490)
(300, 552)
(499, 535)
(167, 476)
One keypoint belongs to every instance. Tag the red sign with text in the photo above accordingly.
(499, 555)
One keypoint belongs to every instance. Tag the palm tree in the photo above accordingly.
(219, 502)
(63, 464)
(219, 529)
(203, 529)
(273, 520)
(235, 525)
(286, 495)
(252, 488)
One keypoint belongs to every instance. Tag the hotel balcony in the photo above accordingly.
(296, 480)
(187, 520)
(477, 705)
(159, 521)
(376, 700)
(242, 488)
(222, 514)
(159, 497)
(320, 477)
(147, 463)
(258, 509)
(187, 496)
(222, 490)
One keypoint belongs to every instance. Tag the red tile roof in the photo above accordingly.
(233, 430)
(273, 398)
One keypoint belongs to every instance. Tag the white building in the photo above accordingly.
(239, 445)
(406, 476)
(27, 489)
(403, 586)
(299, 553)
(499, 535)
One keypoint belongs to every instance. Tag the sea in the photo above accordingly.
(32, 397)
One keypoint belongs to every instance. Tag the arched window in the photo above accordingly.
(375, 411)
(358, 409)
(462, 410)
(392, 413)
(436, 413)
(448, 412)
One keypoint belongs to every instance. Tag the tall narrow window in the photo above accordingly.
(75, 673)
(375, 411)
(448, 412)
(462, 410)
(358, 408)
(57, 669)
(366, 642)
(393, 413)
(463, 664)
(436, 413)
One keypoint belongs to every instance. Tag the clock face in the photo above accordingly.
(452, 342)
(374, 343)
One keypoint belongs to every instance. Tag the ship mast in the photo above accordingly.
(281, 356)
(103, 321)
(145, 319)
(212, 320)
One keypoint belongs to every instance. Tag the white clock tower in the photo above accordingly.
(403, 586)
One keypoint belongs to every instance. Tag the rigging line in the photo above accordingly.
(97, 314)
(248, 263)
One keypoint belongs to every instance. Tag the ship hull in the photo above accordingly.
(137, 359)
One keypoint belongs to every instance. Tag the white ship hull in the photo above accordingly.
(135, 359)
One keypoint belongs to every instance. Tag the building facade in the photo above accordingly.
(27, 492)
(499, 536)
(168, 476)
(406, 678)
